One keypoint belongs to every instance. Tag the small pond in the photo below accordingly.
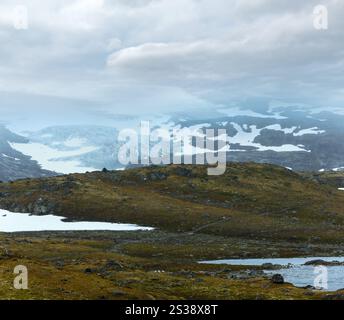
(295, 271)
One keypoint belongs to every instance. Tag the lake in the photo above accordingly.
(294, 271)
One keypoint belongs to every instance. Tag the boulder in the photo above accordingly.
(277, 279)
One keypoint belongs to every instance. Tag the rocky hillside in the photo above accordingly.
(15, 165)
(333, 178)
(250, 201)
(301, 139)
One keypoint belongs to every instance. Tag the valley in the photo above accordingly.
(253, 211)
(172, 150)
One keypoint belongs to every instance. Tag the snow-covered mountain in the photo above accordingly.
(71, 149)
(79, 148)
(14, 164)
(294, 137)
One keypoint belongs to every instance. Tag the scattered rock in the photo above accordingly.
(59, 263)
(337, 296)
(113, 265)
(157, 176)
(118, 293)
(319, 262)
(277, 279)
(271, 266)
(184, 172)
(88, 270)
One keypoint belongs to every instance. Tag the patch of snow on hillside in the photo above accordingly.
(314, 130)
(277, 127)
(20, 222)
(53, 159)
(245, 138)
(6, 156)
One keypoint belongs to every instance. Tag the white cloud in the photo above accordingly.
(167, 54)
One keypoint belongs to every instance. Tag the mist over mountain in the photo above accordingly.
(299, 138)
(111, 64)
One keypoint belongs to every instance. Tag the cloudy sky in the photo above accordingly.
(152, 56)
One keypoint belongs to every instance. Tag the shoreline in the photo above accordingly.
(136, 264)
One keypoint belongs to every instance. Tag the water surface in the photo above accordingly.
(294, 271)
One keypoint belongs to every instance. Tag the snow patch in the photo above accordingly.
(52, 159)
(20, 222)
(277, 127)
(6, 156)
(314, 130)
(246, 138)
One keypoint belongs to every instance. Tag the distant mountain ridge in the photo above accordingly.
(300, 139)
(72, 148)
(304, 140)
(15, 165)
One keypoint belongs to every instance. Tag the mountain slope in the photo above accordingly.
(72, 149)
(306, 139)
(249, 201)
(309, 140)
(13, 164)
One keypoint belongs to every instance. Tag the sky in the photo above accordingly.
(79, 59)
